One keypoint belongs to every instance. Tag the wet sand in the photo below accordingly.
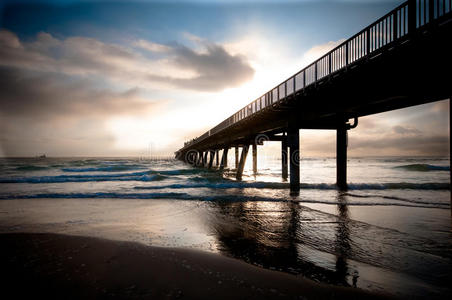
(63, 266)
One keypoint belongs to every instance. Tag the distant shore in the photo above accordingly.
(62, 266)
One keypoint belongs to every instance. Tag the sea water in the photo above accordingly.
(389, 232)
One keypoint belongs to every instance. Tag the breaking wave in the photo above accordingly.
(423, 167)
(138, 176)
(113, 168)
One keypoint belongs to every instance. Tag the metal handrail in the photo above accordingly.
(398, 23)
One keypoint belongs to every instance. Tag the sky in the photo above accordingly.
(116, 78)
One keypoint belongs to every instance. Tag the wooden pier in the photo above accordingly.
(401, 60)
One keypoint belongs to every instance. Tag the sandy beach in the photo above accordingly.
(63, 266)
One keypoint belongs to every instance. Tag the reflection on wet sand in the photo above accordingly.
(277, 235)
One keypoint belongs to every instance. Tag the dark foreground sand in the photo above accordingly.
(60, 266)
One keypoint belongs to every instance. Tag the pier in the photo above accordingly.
(403, 59)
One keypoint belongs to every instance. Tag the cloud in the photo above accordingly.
(318, 51)
(51, 96)
(212, 69)
(403, 130)
(63, 95)
(401, 145)
(215, 69)
(150, 46)
(60, 114)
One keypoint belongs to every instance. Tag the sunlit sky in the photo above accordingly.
(112, 78)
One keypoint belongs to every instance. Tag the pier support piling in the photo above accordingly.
(217, 153)
(293, 141)
(199, 158)
(212, 155)
(236, 157)
(254, 159)
(224, 159)
(204, 161)
(284, 166)
(242, 162)
(341, 156)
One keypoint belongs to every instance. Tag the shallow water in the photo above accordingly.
(390, 232)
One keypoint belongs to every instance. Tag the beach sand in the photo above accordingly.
(63, 266)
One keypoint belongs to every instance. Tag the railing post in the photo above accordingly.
(412, 12)
(329, 64)
(395, 28)
(285, 89)
(367, 41)
(315, 72)
(346, 53)
(431, 11)
(304, 78)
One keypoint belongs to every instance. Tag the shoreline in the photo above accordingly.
(65, 266)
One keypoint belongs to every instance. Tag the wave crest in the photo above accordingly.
(423, 167)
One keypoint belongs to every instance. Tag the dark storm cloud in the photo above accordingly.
(213, 70)
(217, 68)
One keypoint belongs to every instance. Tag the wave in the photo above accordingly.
(137, 176)
(316, 186)
(184, 171)
(417, 201)
(31, 168)
(423, 167)
(113, 168)
(400, 186)
(203, 180)
(217, 198)
(218, 185)
(148, 175)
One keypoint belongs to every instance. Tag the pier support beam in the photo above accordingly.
(242, 162)
(254, 159)
(196, 158)
(224, 159)
(341, 156)
(193, 158)
(293, 141)
(212, 155)
(217, 153)
(284, 166)
(204, 161)
(236, 157)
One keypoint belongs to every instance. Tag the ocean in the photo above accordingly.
(390, 232)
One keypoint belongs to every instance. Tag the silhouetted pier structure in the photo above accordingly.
(401, 60)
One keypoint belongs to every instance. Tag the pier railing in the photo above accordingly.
(372, 40)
